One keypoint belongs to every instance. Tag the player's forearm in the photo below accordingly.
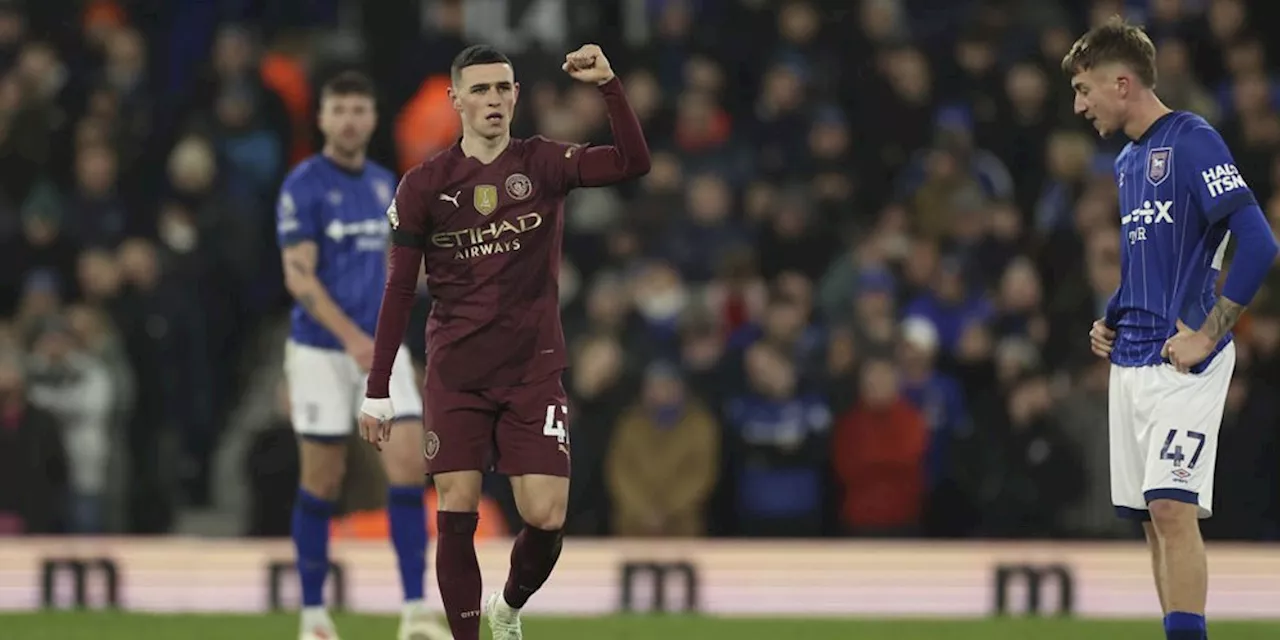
(315, 299)
(393, 316)
(1256, 250)
(1222, 318)
(628, 157)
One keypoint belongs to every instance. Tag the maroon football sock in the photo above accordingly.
(532, 559)
(458, 572)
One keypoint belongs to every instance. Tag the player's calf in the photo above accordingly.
(1185, 574)
(542, 501)
(1157, 563)
(457, 568)
(323, 464)
(406, 513)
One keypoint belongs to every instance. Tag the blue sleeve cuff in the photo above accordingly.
(1256, 250)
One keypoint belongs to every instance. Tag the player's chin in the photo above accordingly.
(494, 127)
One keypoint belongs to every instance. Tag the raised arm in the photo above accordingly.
(628, 156)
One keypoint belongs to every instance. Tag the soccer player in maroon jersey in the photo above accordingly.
(487, 216)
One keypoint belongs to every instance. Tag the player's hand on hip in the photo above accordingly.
(588, 64)
(1101, 339)
(360, 348)
(1187, 348)
(376, 416)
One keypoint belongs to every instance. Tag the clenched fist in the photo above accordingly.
(588, 64)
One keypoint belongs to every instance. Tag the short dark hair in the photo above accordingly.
(1113, 41)
(474, 55)
(348, 83)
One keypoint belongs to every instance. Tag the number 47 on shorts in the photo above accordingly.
(1174, 452)
(554, 425)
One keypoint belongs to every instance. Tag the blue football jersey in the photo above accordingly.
(1177, 184)
(344, 213)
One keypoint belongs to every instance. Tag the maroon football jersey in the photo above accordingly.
(490, 235)
(493, 247)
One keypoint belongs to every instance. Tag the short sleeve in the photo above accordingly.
(408, 211)
(556, 163)
(1212, 180)
(297, 213)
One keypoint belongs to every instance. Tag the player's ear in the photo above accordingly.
(1123, 85)
(515, 91)
(454, 100)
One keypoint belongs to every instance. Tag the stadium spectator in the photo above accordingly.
(879, 451)
(779, 430)
(75, 388)
(663, 460)
(33, 462)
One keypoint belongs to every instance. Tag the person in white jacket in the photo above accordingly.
(76, 388)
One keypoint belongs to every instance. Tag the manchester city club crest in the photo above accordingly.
(1158, 161)
(485, 199)
(432, 445)
(518, 186)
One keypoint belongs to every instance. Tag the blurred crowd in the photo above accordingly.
(851, 298)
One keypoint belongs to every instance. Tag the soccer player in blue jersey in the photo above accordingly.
(1167, 332)
(334, 240)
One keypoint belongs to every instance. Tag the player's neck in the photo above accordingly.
(349, 161)
(484, 150)
(1144, 116)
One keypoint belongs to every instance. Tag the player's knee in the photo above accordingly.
(402, 457)
(545, 511)
(323, 482)
(458, 491)
(1173, 518)
(323, 467)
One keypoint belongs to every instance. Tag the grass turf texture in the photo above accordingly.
(124, 626)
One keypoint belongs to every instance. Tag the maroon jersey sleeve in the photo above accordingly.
(409, 226)
(567, 166)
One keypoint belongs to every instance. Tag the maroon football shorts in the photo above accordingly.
(517, 430)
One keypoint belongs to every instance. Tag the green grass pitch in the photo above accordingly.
(125, 626)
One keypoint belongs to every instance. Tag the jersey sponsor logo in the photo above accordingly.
(451, 198)
(490, 239)
(1158, 161)
(370, 235)
(519, 186)
(1223, 178)
(1158, 212)
(485, 199)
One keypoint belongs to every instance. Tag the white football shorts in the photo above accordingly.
(326, 389)
(1164, 433)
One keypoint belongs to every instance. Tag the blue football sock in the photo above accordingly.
(1184, 626)
(311, 541)
(408, 516)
